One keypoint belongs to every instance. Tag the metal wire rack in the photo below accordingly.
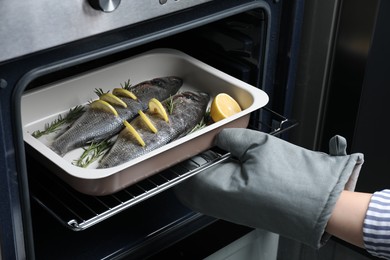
(78, 211)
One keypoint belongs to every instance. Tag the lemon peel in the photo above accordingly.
(121, 92)
(113, 100)
(147, 121)
(156, 107)
(103, 105)
(134, 133)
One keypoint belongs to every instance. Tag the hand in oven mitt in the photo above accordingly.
(273, 185)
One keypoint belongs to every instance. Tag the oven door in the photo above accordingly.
(42, 217)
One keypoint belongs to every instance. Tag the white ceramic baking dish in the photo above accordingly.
(42, 106)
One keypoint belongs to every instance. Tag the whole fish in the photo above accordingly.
(188, 110)
(96, 125)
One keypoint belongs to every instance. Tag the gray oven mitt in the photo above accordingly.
(273, 185)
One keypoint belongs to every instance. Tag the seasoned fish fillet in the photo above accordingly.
(188, 110)
(96, 125)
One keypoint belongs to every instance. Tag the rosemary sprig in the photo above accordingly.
(126, 85)
(56, 125)
(203, 123)
(99, 92)
(92, 153)
(170, 104)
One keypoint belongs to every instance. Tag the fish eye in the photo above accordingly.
(158, 82)
(191, 96)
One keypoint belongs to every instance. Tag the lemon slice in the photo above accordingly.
(121, 92)
(134, 132)
(112, 99)
(147, 121)
(155, 106)
(103, 105)
(223, 106)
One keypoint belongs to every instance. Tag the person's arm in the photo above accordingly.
(346, 221)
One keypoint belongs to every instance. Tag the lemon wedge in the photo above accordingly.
(134, 133)
(103, 105)
(223, 106)
(121, 92)
(155, 106)
(112, 99)
(147, 121)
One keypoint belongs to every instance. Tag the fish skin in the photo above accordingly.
(189, 109)
(96, 125)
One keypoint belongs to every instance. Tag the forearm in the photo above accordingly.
(346, 221)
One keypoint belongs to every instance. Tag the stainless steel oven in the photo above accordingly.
(43, 42)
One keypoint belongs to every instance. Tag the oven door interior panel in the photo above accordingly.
(240, 38)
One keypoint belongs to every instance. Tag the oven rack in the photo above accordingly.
(78, 211)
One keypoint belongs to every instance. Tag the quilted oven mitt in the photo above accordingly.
(273, 185)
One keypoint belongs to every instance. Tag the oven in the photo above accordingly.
(44, 42)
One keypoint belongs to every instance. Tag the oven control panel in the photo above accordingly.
(33, 25)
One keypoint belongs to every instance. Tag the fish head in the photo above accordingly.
(171, 84)
(197, 97)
